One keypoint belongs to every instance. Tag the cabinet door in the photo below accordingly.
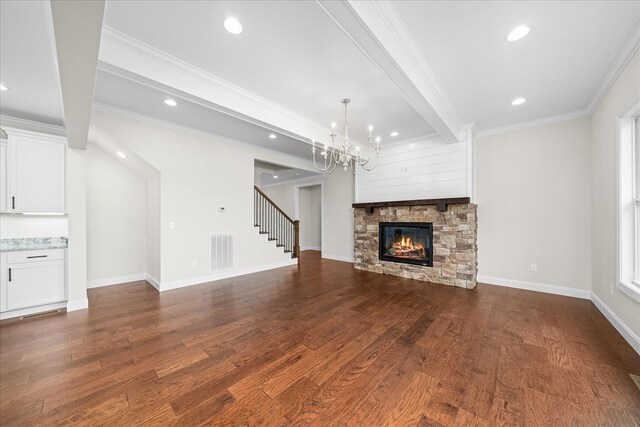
(3, 281)
(4, 175)
(37, 174)
(35, 283)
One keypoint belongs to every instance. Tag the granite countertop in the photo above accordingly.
(33, 244)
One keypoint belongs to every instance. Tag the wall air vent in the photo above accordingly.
(220, 252)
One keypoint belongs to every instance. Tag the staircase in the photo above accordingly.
(276, 224)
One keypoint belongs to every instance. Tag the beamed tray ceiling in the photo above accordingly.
(417, 68)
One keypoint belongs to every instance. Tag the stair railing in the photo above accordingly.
(277, 225)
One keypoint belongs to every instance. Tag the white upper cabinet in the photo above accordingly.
(3, 175)
(35, 169)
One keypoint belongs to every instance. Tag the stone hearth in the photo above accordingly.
(455, 259)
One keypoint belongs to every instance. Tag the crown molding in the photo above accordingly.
(533, 123)
(622, 59)
(31, 125)
(378, 31)
(127, 53)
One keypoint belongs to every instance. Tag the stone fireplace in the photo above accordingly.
(393, 238)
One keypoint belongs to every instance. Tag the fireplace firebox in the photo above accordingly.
(407, 242)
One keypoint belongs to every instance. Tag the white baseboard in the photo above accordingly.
(116, 280)
(32, 310)
(310, 248)
(624, 330)
(338, 257)
(153, 281)
(224, 275)
(77, 304)
(538, 287)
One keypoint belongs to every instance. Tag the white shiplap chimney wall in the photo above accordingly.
(425, 168)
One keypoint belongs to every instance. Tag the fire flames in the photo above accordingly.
(405, 248)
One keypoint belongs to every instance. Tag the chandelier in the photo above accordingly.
(347, 155)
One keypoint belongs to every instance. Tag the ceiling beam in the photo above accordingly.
(122, 52)
(376, 28)
(77, 26)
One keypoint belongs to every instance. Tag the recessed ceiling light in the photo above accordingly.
(517, 33)
(121, 154)
(518, 101)
(170, 102)
(412, 145)
(275, 176)
(273, 136)
(232, 25)
(394, 133)
(3, 87)
(297, 174)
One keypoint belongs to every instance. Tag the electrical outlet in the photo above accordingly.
(172, 226)
(534, 267)
(611, 289)
(194, 264)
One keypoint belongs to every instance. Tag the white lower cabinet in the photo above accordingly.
(31, 279)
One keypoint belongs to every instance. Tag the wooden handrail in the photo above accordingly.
(273, 204)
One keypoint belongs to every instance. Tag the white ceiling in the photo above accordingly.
(268, 172)
(27, 63)
(557, 67)
(291, 53)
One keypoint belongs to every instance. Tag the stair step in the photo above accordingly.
(263, 232)
(279, 246)
(271, 239)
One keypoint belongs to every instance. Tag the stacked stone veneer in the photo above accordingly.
(455, 256)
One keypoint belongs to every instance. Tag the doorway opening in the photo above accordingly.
(309, 201)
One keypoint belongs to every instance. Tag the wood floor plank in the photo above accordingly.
(322, 344)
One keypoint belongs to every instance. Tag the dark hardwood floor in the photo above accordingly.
(320, 344)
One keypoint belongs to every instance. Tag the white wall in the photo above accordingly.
(283, 196)
(338, 191)
(533, 194)
(198, 174)
(17, 225)
(423, 169)
(116, 219)
(603, 195)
